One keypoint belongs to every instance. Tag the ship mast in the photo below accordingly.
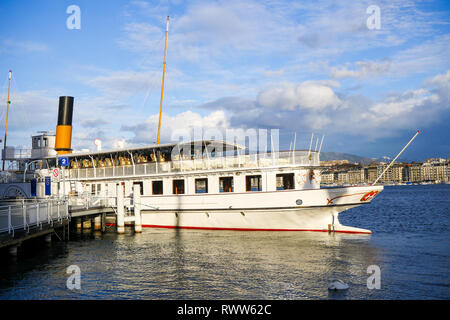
(162, 87)
(8, 102)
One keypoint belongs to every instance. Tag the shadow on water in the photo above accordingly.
(32, 256)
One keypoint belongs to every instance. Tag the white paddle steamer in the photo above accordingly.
(206, 189)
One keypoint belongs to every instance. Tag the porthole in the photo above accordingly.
(299, 202)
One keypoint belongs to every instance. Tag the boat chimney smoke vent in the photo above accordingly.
(64, 127)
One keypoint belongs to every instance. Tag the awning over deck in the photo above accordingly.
(211, 145)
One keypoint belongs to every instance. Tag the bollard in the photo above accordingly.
(120, 210)
(137, 208)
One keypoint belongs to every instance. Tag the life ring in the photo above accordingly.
(369, 195)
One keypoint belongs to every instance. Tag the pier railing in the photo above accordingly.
(24, 215)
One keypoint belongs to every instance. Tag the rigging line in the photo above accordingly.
(152, 85)
(140, 66)
(152, 74)
(152, 49)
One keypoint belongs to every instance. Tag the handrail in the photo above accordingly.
(241, 162)
(27, 214)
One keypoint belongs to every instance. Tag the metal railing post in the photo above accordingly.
(37, 214)
(24, 212)
(9, 220)
(49, 208)
(59, 215)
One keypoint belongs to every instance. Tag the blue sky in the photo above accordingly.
(296, 66)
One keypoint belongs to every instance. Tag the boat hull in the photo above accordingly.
(267, 211)
(322, 219)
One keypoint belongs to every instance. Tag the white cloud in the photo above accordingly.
(205, 32)
(141, 37)
(273, 73)
(312, 106)
(423, 57)
(25, 46)
(173, 126)
(224, 52)
(402, 104)
(306, 106)
(440, 80)
(307, 95)
(125, 83)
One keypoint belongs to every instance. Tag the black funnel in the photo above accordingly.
(65, 111)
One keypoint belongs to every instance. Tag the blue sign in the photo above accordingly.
(33, 187)
(48, 186)
(63, 161)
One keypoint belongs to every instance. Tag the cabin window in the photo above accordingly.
(99, 188)
(157, 187)
(285, 181)
(201, 185)
(141, 184)
(226, 184)
(253, 183)
(93, 189)
(178, 186)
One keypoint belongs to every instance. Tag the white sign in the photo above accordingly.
(56, 173)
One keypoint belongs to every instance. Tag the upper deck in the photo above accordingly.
(195, 156)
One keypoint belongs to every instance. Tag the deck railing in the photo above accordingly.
(86, 200)
(300, 158)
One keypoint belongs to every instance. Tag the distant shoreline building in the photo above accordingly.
(343, 172)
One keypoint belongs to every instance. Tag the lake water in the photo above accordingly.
(410, 244)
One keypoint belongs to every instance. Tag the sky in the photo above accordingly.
(366, 75)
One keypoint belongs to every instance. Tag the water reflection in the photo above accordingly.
(193, 264)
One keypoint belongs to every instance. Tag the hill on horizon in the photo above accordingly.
(328, 156)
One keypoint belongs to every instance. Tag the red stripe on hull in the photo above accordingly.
(241, 229)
